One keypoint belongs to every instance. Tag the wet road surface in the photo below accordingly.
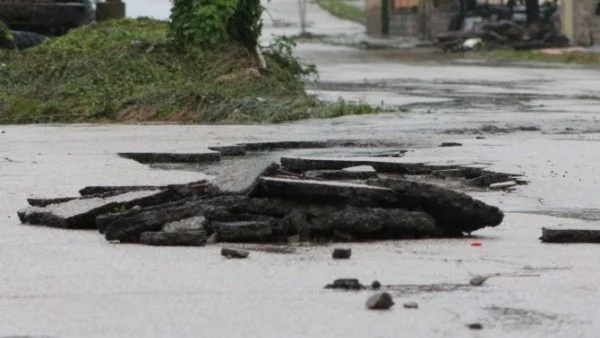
(62, 283)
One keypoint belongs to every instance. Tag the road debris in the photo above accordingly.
(188, 224)
(411, 305)
(479, 280)
(213, 156)
(496, 27)
(181, 238)
(345, 284)
(380, 301)
(341, 253)
(503, 185)
(570, 236)
(256, 200)
(475, 326)
(451, 144)
(234, 253)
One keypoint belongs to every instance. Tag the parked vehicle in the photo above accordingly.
(48, 17)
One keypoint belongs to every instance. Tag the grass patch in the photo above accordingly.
(581, 58)
(343, 10)
(125, 70)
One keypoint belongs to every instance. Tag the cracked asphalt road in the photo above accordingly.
(61, 283)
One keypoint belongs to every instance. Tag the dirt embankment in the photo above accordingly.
(127, 70)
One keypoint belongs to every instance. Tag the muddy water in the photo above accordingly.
(73, 284)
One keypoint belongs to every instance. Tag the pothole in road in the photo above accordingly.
(270, 193)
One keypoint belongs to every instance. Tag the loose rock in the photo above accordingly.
(475, 326)
(478, 280)
(345, 284)
(375, 285)
(411, 305)
(234, 253)
(184, 238)
(341, 253)
(380, 301)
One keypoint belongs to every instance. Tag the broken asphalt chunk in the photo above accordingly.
(242, 177)
(380, 223)
(341, 253)
(570, 236)
(450, 144)
(454, 212)
(128, 226)
(146, 158)
(182, 238)
(188, 189)
(248, 231)
(81, 213)
(346, 284)
(187, 224)
(44, 202)
(325, 191)
(351, 173)
(235, 150)
(503, 185)
(302, 164)
(234, 253)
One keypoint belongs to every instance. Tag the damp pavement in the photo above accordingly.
(59, 283)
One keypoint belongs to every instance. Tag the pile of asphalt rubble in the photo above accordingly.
(297, 199)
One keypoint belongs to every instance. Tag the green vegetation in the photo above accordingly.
(138, 70)
(343, 10)
(581, 58)
(5, 33)
(209, 23)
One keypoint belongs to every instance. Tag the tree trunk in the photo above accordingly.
(302, 9)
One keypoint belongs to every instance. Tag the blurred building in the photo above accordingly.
(580, 21)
